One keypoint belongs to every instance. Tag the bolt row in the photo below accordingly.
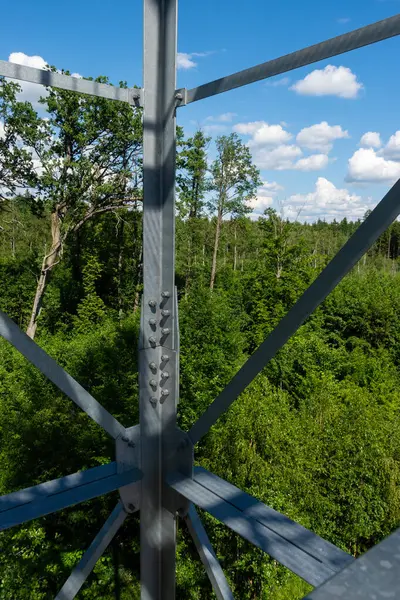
(165, 331)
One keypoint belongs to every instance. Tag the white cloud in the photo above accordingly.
(371, 139)
(284, 81)
(330, 81)
(269, 187)
(392, 148)
(315, 162)
(224, 118)
(263, 134)
(366, 166)
(214, 128)
(31, 92)
(248, 128)
(326, 202)
(320, 136)
(260, 203)
(277, 159)
(184, 61)
(343, 20)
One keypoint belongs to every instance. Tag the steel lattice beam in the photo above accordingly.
(368, 232)
(305, 553)
(72, 84)
(67, 384)
(52, 496)
(208, 557)
(85, 566)
(314, 560)
(157, 349)
(376, 32)
(374, 575)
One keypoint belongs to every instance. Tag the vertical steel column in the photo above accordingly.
(157, 355)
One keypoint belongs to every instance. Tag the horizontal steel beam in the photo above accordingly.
(133, 96)
(208, 557)
(292, 556)
(296, 534)
(367, 233)
(86, 565)
(374, 575)
(67, 384)
(52, 496)
(376, 32)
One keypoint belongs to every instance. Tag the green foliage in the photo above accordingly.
(316, 435)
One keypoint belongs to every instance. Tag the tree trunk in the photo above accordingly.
(49, 261)
(235, 251)
(120, 267)
(214, 261)
(139, 280)
(188, 264)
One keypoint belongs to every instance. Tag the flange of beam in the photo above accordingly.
(374, 575)
(52, 496)
(376, 32)
(348, 256)
(133, 96)
(325, 552)
(290, 555)
(157, 348)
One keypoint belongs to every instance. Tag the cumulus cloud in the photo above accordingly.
(263, 134)
(31, 92)
(269, 187)
(282, 82)
(392, 148)
(320, 136)
(366, 166)
(214, 128)
(276, 159)
(224, 118)
(184, 60)
(315, 162)
(326, 202)
(371, 139)
(264, 197)
(271, 151)
(260, 203)
(330, 81)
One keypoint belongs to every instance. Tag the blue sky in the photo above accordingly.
(304, 130)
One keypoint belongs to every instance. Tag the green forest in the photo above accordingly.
(315, 436)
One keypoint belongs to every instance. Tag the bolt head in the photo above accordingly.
(165, 331)
(165, 313)
(152, 340)
(164, 358)
(152, 322)
(131, 507)
(153, 401)
(164, 375)
(165, 294)
(164, 393)
(153, 366)
(153, 383)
